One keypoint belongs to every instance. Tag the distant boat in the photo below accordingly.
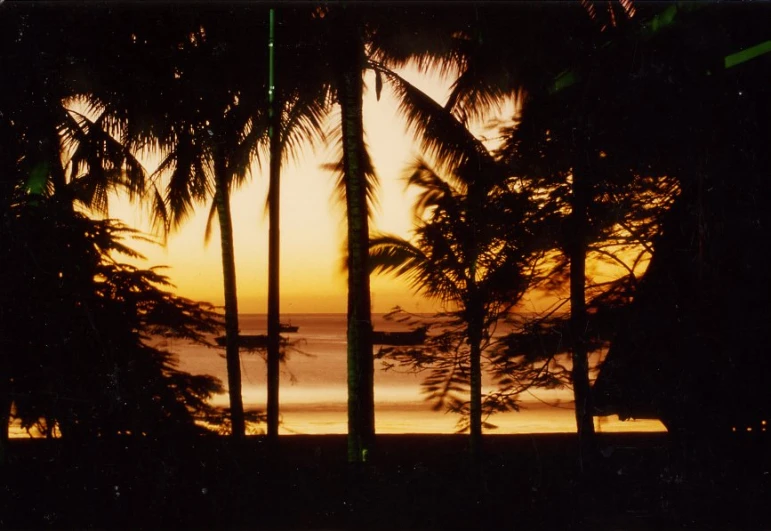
(412, 337)
(288, 328)
(250, 342)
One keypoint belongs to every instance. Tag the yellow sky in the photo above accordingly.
(312, 226)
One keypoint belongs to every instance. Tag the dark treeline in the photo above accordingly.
(640, 136)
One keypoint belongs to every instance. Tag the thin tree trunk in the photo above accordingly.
(578, 319)
(232, 357)
(475, 322)
(361, 403)
(475, 410)
(274, 198)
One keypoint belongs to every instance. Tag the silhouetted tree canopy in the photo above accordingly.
(76, 325)
(697, 328)
(692, 104)
(80, 332)
(661, 112)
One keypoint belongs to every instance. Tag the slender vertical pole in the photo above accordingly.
(578, 320)
(274, 118)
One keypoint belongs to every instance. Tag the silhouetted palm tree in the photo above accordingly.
(575, 127)
(67, 149)
(53, 151)
(214, 126)
(335, 39)
(380, 33)
(330, 44)
(561, 43)
(472, 251)
(348, 49)
(356, 32)
(219, 125)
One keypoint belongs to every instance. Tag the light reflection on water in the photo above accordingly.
(314, 396)
(313, 388)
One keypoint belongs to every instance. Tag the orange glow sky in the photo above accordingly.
(312, 224)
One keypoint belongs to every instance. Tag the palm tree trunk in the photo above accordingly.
(273, 243)
(475, 376)
(361, 400)
(578, 319)
(475, 320)
(232, 356)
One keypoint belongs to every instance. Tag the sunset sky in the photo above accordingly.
(312, 224)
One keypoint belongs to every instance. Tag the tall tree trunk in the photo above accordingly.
(232, 357)
(578, 319)
(274, 198)
(361, 400)
(475, 367)
(475, 312)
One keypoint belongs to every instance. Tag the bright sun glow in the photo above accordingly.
(312, 225)
(312, 221)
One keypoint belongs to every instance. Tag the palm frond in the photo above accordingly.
(427, 39)
(209, 222)
(441, 135)
(242, 134)
(245, 152)
(159, 213)
(434, 190)
(188, 182)
(338, 170)
(473, 97)
(394, 255)
(109, 164)
(303, 123)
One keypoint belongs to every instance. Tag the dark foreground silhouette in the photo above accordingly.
(417, 482)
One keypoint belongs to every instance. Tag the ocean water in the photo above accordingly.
(313, 386)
